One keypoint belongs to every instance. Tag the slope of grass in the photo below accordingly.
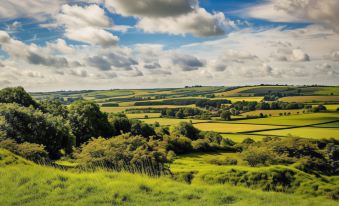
(32, 185)
(304, 99)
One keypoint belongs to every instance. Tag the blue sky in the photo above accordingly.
(92, 44)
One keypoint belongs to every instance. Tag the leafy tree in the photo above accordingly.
(25, 124)
(141, 128)
(88, 121)
(225, 115)
(17, 95)
(54, 107)
(120, 123)
(185, 129)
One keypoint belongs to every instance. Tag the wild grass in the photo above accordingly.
(27, 184)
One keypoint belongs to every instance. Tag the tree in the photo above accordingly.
(54, 107)
(88, 121)
(120, 123)
(141, 128)
(17, 95)
(179, 114)
(225, 115)
(185, 129)
(25, 124)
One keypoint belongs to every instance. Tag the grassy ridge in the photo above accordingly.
(27, 184)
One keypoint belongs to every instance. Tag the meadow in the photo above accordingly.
(205, 168)
(24, 183)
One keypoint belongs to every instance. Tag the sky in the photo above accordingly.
(115, 44)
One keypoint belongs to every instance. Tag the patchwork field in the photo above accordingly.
(277, 112)
(233, 128)
(306, 132)
(143, 115)
(121, 109)
(310, 99)
(169, 121)
(298, 120)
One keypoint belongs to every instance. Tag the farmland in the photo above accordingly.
(217, 142)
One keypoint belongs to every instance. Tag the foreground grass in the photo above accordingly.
(24, 183)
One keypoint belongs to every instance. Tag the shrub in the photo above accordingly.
(30, 151)
(124, 152)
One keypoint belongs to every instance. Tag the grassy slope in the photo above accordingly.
(24, 183)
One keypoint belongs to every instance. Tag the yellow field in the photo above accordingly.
(142, 115)
(232, 128)
(309, 99)
(248, 99)
(306, 132)
(332, 107)
(169, 121)
(273, 112)
(121, 109)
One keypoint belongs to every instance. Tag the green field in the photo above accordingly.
(306, 132)
(240, 137)
(310, 99)
(233, 128)
(169, 121)
(276, 112)
(142, 115)
(298, 120)
(121, 109)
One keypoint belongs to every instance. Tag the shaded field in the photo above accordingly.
(306, 132)
(303, 99)
(333, 124)
(233, 127)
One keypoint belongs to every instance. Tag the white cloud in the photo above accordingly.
(198, 23)
(86, 24)
(37, 9)
(324, 12)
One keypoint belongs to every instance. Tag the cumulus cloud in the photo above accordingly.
(151, 8)
(112, 60)
(178, 17)
(37, 9)
(86, 24)
(324, 12)
(187, 62)
(198, 23)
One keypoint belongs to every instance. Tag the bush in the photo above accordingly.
(185, 129)
(224, 161)
(124, 152)
(30, 151)
(178, 144)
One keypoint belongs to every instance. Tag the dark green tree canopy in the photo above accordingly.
(88, 121)
(17, 95)
(25, 124)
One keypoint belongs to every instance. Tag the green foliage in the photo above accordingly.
(225, 115)
(25, 124)
(54, 107)
(17, 95)
(124, 152)
(120, 123)
(30, 151)
(87, 121)
(141, 128)
(185, 129)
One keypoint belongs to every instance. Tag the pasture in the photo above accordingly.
(310, 99)
(276, 112)
(170, 121)
(305, 132)
(143, 115)
(233, 127)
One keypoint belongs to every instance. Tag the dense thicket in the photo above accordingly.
(17, 95)
(26, 124)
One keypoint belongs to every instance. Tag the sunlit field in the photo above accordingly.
(233, 128)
